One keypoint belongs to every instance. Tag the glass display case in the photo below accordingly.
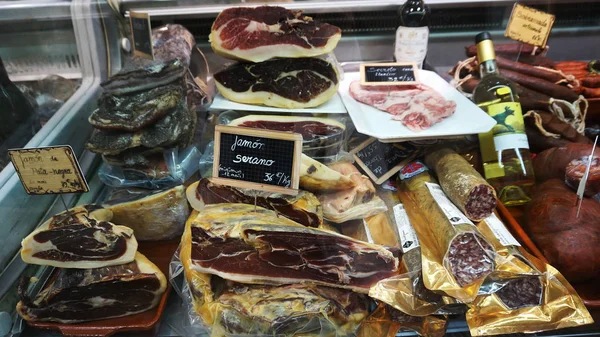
(144, 134)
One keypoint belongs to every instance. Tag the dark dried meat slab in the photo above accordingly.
(141, 79)
(303, 208)
(261, 33)
(135, 111)
(169, 42)
(283, 83)
(80, 238)
(80, 295)
(175, 129)
(249, 244)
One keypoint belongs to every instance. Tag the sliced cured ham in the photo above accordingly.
(261, 33)
(282, 83)
(249, 244)
(80, 238)
(417, 107)
(80, 295)
(317, 177)
(303, 208)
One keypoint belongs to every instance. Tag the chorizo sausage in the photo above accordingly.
(537, 84)
(576, 170)
(591, 82)
(506, 48)
(528, 70)
(552, 163)
(590, 92)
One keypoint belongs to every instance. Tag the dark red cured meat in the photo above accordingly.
(570, 243)
(88, 246)
(296, 28)
(469, 259)
(552, 163)
(576, 170)
(307, 255)
(69, 298)
(521, 292)
(283, 204)
(310, 130)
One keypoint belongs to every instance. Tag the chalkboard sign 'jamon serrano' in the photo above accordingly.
(142, 35)
(389, 74)
(382, 160)
(257, 159)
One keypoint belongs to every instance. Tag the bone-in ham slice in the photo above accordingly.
(249, 244)
(417, 107)
(261, 33)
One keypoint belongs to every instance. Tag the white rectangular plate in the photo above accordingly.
(468, 118)
(333, 106)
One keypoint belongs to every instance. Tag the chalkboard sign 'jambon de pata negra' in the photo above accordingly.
(257, 159)
(388, 74)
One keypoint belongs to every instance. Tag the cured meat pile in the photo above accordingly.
(279, 48)
(101, 274)
(149, 107)
(417, 107)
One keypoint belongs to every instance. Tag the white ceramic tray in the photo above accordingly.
(333, 106)
(468, 118)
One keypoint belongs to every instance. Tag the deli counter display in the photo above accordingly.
(300, 168)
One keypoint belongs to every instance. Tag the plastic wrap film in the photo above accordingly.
(223, 308)
(524, 294)
(173, 167)
(386, 321)
(455, 256)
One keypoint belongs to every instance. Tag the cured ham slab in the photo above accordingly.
(249, 244)
(80, 238)
(80, 295)
(261, 33)
(230, 308)
(303, 208)
(282, 83)
(417, 107)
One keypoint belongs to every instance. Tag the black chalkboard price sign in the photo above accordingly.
(257, 159)
(382, 160)
(388, 74)
(142, 35)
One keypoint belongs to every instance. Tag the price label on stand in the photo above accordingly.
(48, 170)
(142, 35)
(257, 159)
(382, 160)
(388, 74)
(529, 25)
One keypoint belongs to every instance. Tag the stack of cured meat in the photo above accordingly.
(278, 50)
(149, 107)
(100, 273)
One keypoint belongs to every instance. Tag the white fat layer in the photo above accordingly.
(99, 301)
(322, 172)
(271, 99)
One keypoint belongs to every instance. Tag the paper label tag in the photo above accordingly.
(411, 44)
(500, 231)
(408, 236)
(454, 215)
(49, 170)
(368, 232)
(529, 25)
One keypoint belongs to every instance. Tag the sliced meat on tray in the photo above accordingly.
(249, 244)
(417, 107)
(258, 34)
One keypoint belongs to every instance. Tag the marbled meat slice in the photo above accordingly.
(417, 107)
(261, 33)
(140, 79)
(283, 83)
(80, 295)
(153, 215)
(249, 244)
(175, 129)
(303, 208)
(80, 238)
(133, 112)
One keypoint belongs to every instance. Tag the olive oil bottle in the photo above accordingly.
(505, 149)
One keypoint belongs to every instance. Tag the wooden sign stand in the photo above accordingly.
(378, 179)
(265, 136)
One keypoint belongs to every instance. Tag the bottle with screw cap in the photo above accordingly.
(505, 149)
